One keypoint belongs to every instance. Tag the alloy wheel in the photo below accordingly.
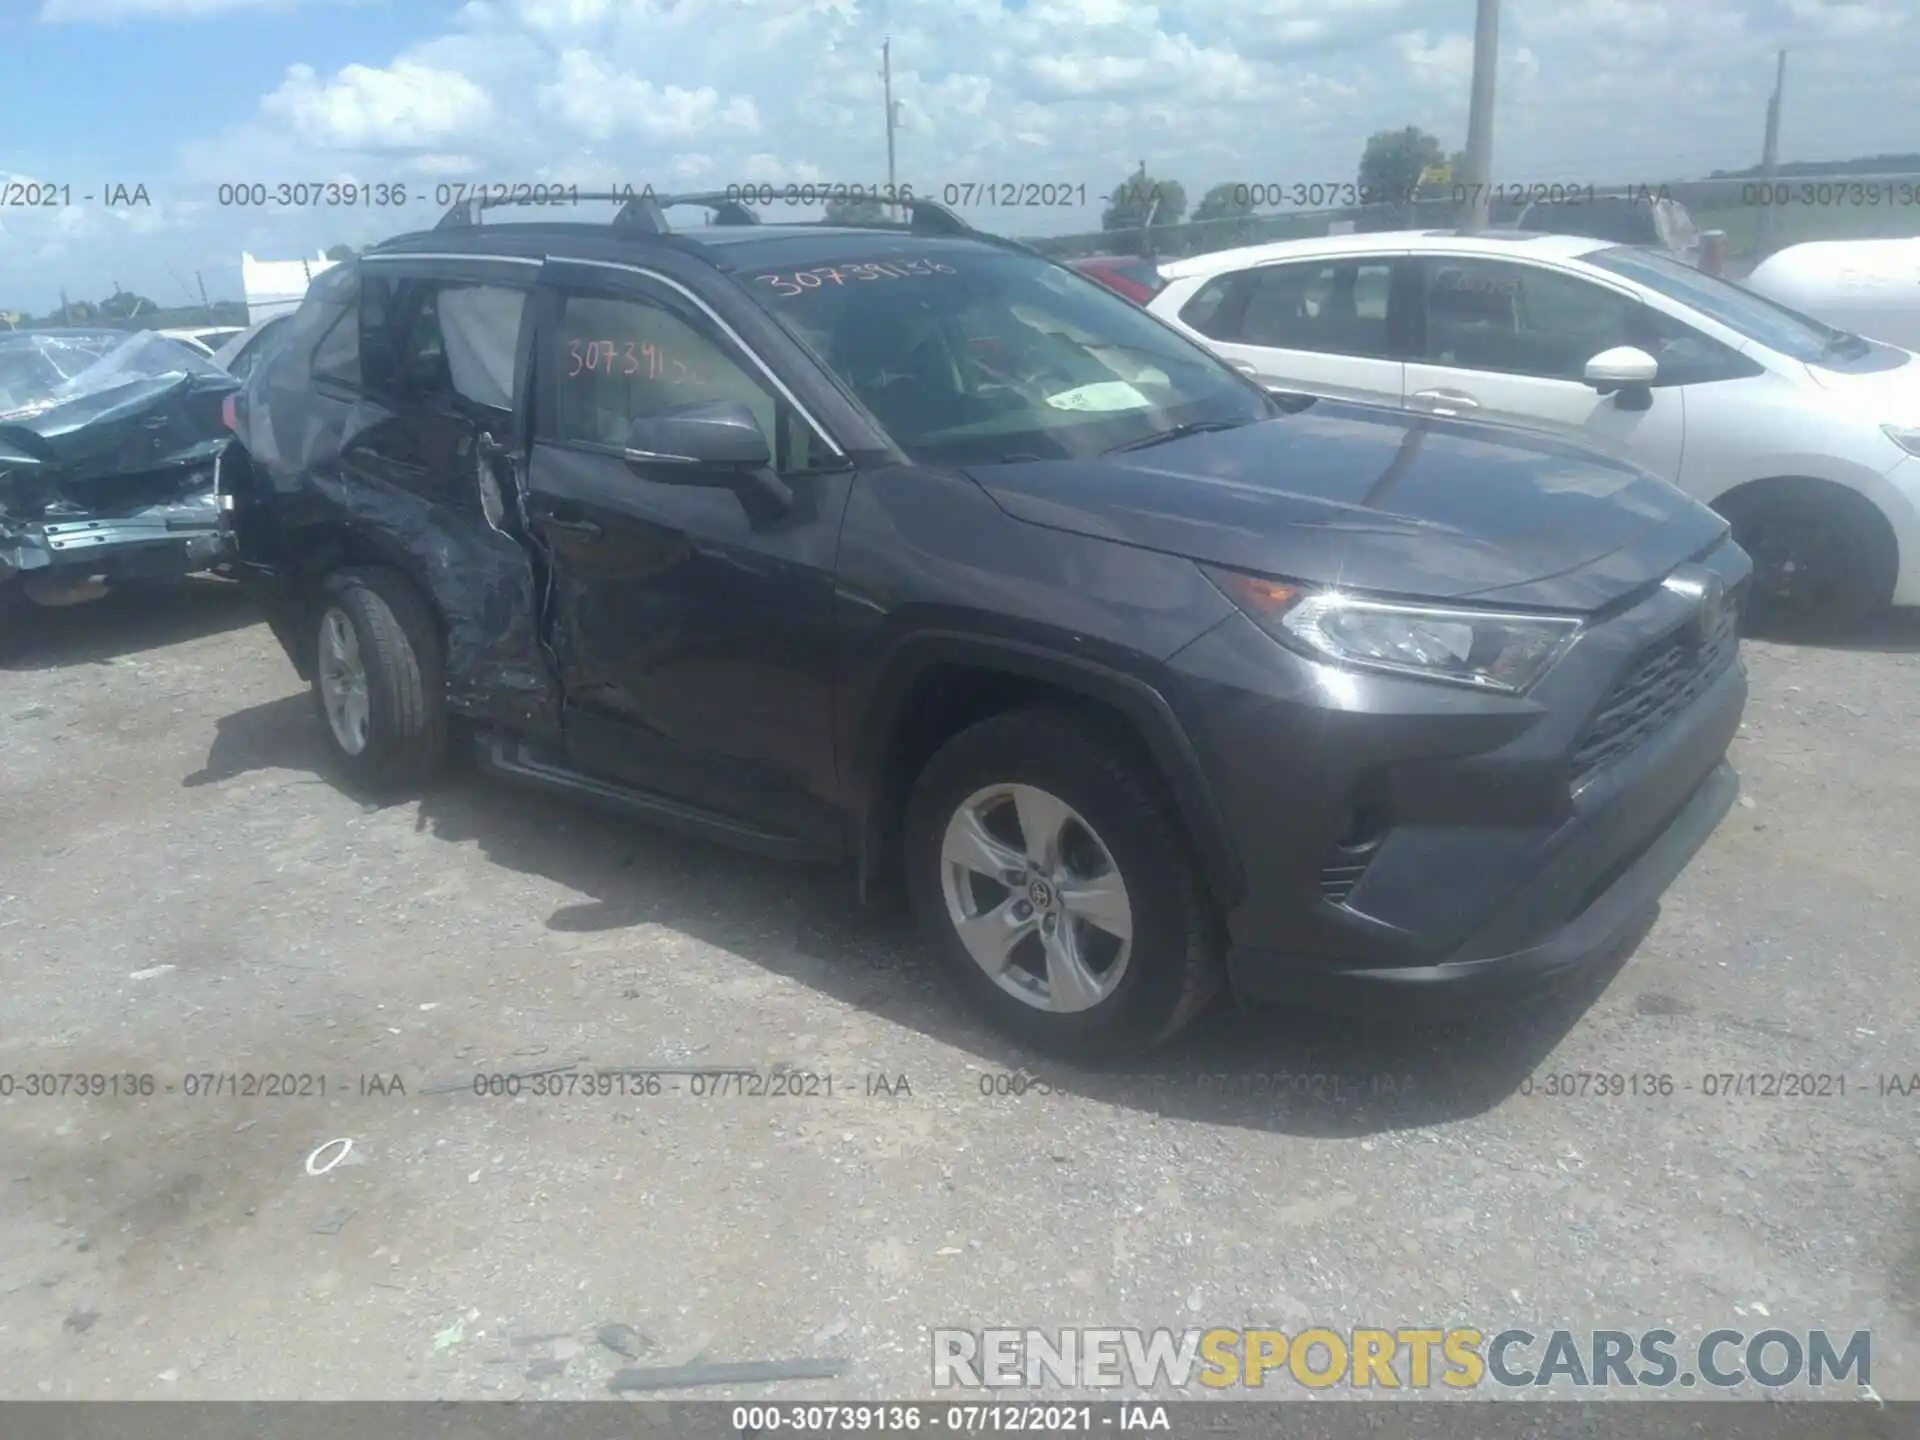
(1036, 897)
(343, 682)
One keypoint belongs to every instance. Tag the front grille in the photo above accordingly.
(1668, 677)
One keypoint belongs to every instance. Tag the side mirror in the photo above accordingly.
(1624, 365)
(711, 435)
(1626, 372)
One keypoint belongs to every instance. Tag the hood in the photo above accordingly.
(98, 423)
(1383, 501)
(137, 425)
(1888, 395)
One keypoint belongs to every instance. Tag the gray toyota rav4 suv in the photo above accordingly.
(905, 546)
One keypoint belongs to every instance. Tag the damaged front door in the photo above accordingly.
(692, 606)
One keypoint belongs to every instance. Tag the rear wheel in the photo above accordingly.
(1056, 889)
(377, 679)
(1824, 559)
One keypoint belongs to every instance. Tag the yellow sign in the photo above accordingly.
(1437, 175)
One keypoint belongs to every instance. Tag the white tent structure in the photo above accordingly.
(276, 287)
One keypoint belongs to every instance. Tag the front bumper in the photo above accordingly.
(1412, 843)
(1474, 978)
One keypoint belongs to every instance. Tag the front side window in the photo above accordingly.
(1520, 319)
(1330, 307)
(617, 359)
(1687, 357)
(972, 355)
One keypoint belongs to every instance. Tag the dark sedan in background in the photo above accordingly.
(109, 441)
(1129, 275)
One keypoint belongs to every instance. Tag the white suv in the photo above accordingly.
(1803, 436)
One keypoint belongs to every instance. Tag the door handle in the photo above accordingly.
(585, 529)
(1446, 401)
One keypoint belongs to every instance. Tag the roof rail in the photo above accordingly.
(930, 217)
(639, 209)
(643, 210)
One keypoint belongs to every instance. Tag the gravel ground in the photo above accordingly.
(182, 893)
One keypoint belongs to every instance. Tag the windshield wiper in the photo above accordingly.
(1192, 427)
(1845, 342)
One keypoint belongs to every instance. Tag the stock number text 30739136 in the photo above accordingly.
(625, 358)
(798, 282)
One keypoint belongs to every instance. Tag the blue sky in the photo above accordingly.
(183, 94)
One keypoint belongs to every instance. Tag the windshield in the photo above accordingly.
(1775, 326)
(969, 355)
(41, 371)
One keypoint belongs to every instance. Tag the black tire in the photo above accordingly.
(1174, 967)
(1824, 558)
(399, 643)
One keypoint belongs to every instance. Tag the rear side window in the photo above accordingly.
(1209, 309)
(337, 356)
(258, 349)
(430, 340)
(1330, 308)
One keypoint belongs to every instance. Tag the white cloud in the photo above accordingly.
(55, 12)
(712, 92)
(407, 105)
(1437, 59)
(599, 103)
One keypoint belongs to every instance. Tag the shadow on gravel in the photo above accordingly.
(1286, 1071)
(282, 734)
(1897, 632)
(121, 623)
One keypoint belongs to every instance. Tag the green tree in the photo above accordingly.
(1133, 200)
(341, 252)
(1392, 163)
(859, 211)
(123, 304)
(1227, 212)
(1229, 200)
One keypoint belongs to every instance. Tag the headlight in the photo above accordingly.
(1486, 649)
(1907, 437)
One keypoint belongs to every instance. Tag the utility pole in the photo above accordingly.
(886, 80)
(65, 318)
(1486, 58)
(1770, 158)
(206, 305)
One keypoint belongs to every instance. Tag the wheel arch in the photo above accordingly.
(322, 548)
(1873, 505)
(1860, 499)
(934, 685)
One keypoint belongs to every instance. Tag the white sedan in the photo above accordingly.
(1805, 437)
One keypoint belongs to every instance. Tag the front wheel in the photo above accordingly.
(1056, 889)
(1824, 559)
(377, 679)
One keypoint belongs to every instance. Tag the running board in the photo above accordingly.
(511, 759)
